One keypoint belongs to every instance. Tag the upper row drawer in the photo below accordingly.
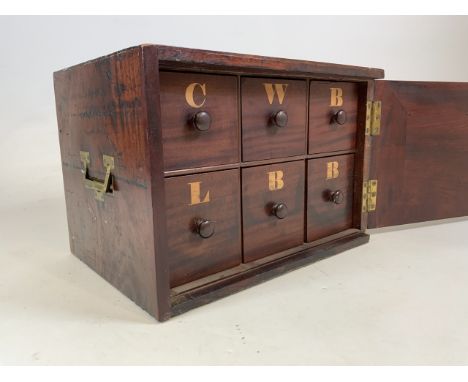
(274, 115)
(200, 118)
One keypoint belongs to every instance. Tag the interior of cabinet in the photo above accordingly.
(306, 252)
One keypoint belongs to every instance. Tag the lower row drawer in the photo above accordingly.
(217, 220)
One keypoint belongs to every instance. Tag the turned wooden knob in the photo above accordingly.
(340, 117)
(201, 121)
(280, 210)
(205, 228)
(337, 197)
(280, 118)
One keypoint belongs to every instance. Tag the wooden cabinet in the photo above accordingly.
(191, 174)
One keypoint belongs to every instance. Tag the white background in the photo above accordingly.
(397, 300)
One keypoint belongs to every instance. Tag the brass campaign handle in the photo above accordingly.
(100, 187)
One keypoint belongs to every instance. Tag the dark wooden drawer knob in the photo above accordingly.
(201, 121)
(280, 118)
(340, 117)
(280, 210)
(337, 197)
(205, 228)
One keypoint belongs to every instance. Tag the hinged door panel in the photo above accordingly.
(420, 158)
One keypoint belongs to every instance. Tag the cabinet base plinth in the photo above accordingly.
(222, 287)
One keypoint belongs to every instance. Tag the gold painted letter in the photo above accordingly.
(332, 170)
(189, 93)
(336, 97)
(195, 194)
(278, 89)
(275, 180)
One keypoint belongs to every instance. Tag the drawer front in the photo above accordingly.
(272, 208)
(332, 116)
(329, 195)
(200, 123)
(203, 224)
(273, 118)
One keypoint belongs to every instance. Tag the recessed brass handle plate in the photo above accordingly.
(100, 187)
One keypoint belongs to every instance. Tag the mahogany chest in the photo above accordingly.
(193, 174)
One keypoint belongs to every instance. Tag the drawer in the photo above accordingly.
(272, 208)
(332, 116)
(329, 195)
(199, 115)
(203, 224)
(273, 118)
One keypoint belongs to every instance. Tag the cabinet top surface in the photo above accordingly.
(176, 57)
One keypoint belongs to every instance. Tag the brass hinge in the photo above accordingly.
(369, 196)
(373, 117)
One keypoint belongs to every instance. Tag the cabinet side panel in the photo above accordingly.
(100, 110)
(421, 157)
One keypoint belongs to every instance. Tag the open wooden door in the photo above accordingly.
(420, 158)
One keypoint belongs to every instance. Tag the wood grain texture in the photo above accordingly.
(191, 256)
(325, 135)
(196, 58)
(153, 110)
(260, 138)
(263, 233)
(101, 109)
(421, 157)
(324, 217)
(184, 145)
